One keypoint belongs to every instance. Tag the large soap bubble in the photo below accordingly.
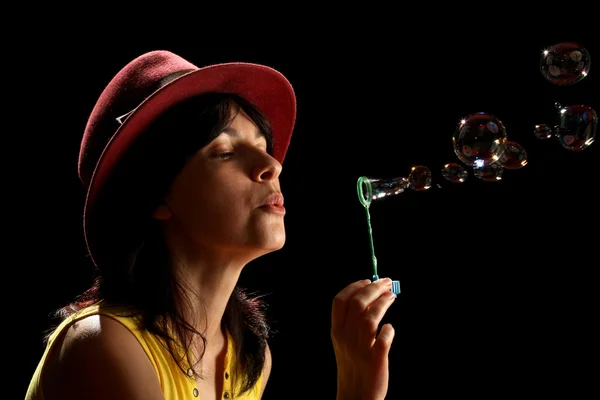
(479, 139)
(577, 125)
(565, 63)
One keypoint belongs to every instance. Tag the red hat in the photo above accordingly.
(154, 82)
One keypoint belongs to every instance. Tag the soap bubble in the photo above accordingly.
(576, 129)
(479, 139)
(489, 173)
(455, 172)
(419, 178)
(543, 131)
(565, 63)
(370, 189)
(514, 156)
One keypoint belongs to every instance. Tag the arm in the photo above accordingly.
(266, 370)
(100, 359)
(361, 354)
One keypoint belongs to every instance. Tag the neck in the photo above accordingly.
(208, 274)
(207, 288)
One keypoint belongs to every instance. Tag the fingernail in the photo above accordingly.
(387, 281)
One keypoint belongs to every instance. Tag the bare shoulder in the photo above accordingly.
(266, 369)
(98, 358)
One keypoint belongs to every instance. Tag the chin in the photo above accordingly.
(267, 239)
(272, 237)
(276, 244)
(266, 250)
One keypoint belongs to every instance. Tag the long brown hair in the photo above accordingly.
(137, 279)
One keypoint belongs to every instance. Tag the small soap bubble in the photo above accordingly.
(370, 189)
(419, 178)
(576, 129)
(565, 63)
(455, 172)
(543, 131)
(489, 173)
(479, 139)
(514, 156)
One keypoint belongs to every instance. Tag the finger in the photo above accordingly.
(384, 342)
(364, 297)
(372, 318)
(339, 308)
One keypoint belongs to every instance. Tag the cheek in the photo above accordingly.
(208, 199)
(187, 202)
(212, 207)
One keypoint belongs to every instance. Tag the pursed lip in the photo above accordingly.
(274, 204)
(274, 199)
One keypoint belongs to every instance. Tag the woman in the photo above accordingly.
(181, 166)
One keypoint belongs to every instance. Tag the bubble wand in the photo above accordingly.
(366, 202)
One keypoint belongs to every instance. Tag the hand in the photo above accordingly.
(361, 354)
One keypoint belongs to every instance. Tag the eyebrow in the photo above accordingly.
(234, 132)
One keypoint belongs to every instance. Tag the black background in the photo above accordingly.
(498, 279)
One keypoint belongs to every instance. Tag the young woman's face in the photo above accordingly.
(219, 198)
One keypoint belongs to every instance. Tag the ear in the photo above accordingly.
(162, 212)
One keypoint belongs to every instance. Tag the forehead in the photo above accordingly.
(242, 126)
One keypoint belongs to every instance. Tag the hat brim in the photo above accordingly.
(263, 86)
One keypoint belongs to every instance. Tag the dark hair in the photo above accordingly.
(136, 276)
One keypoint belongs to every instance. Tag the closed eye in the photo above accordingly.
(225, 155)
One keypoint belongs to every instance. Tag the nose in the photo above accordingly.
(267, 168)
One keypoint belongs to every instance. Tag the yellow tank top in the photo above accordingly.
(174, 383)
